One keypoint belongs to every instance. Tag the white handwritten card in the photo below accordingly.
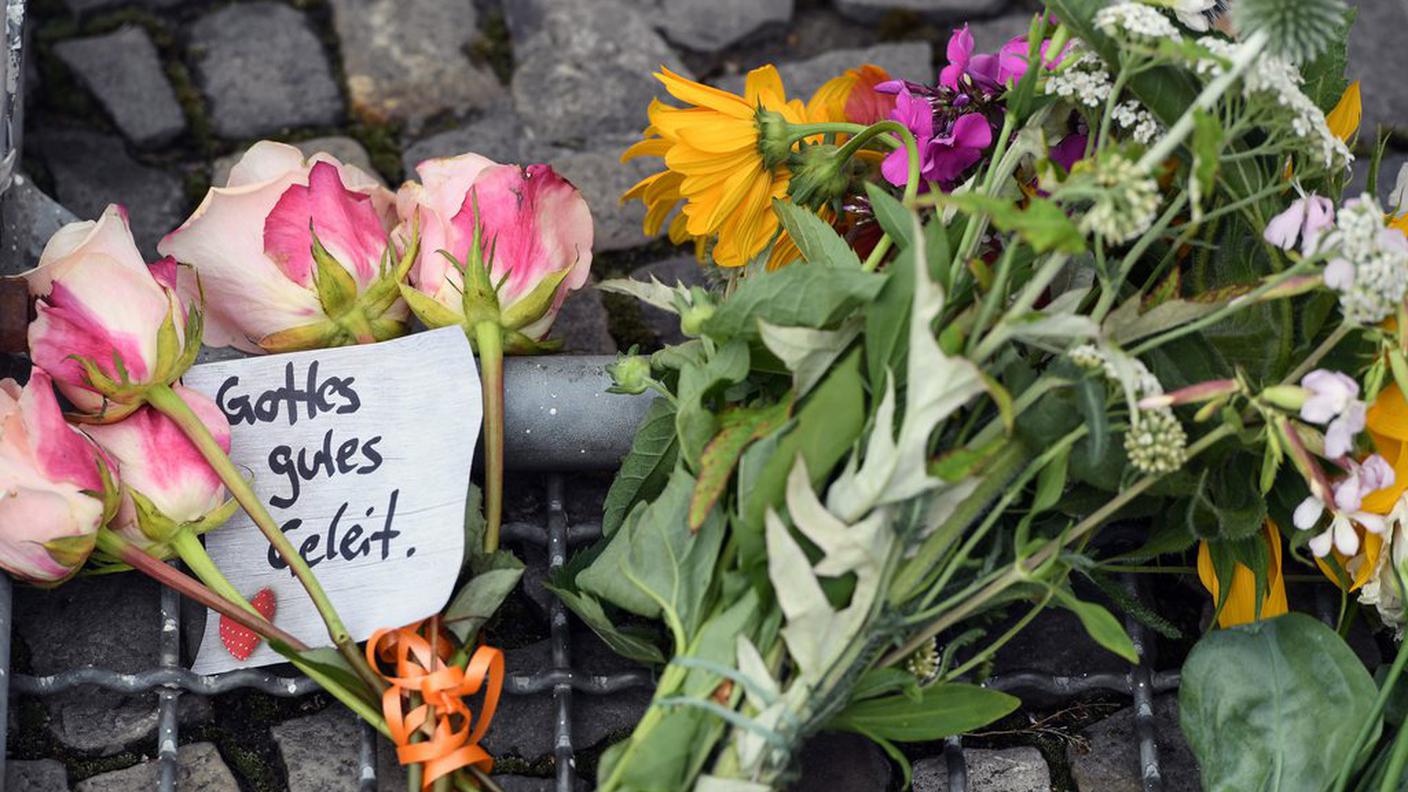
(362, 454)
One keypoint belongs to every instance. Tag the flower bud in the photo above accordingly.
(167, 485)
(819, 176)
(630, 374)
(1193, 394)
(774, 137)
(54, 485)
(693, 318)
(1287, 397)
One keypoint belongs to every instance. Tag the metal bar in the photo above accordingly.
(149, 680)
(529, 533)
(563, 756)
(591, 684)
(1141, 683)
(957, 765)
(559, 418)
(366, 758)
(167, 738)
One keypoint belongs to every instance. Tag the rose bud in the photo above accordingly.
(167, 486)
(498, 243)
(293, 253)
(56, 490)
(108, 326)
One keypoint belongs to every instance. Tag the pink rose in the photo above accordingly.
(166, 483)
(107, 323)
(51, 485)
(250, 244)
(533, 221)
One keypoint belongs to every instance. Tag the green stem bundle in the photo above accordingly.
(489, 339)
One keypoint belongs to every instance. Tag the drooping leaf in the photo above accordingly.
(626, 643)
(651, 292)
(1207, 146)
(1273, 706)
(738, 427)
(894, 219)
(695, 422)
(646, 468)
(1100, 624)
(887, 321)
(815, 296)
(817, 241)
(808, 353)
(494, 577)
(943, 710)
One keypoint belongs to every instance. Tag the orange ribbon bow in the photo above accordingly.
(422, 668)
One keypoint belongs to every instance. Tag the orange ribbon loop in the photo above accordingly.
(419, 655)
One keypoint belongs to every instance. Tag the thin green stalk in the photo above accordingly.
(991, 649)
(489, 340)
(164, 400)
(1331, 341)
(1222, 313)
(188, 546)
(911, 187)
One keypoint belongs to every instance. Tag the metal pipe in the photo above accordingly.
(563, 756)
(166, 736)
(558, 416)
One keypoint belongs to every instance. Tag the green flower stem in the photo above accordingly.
(796, 132)
(192, 552)
(489, 339)
(237, 609)
(911, 186)
(165, 401)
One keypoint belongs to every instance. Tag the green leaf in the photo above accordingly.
(337, 289)
(1274, 705)
(894, 219)
(1100, 624)
(887, 322)
(813, 296)
(534, 305)
(1090, 400)
(942, 710)
(474, 524)
(646, 468)
(806, 352)
(627, 643)
(818, 241)
(1207, 146)
(494, 579)
(429, 310)
(695, 422)
(740, 426)
(1041, 223)
(1324, 77)
(330, 663)
(876, 682)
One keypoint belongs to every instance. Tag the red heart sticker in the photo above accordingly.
(239, 640)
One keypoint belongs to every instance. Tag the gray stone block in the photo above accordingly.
(937, 11)
(990, 34)
(199, 767)
(1375, 42)
(684, 269)
(498, 134)
(910, 60)
(123, 71)
(92, 170)
(842, 761)
(345, 149)
(28, 218)
(43, 775)
(712, 26)
(262, 69)
(1388, 177)
(582, 324)
(602, 178)
(321, 752)
(1007, 770)
(1108, 761)
(90, 6)
(406, 60)
(584, 67)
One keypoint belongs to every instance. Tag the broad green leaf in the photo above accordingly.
(474, 524)
(660, 758)
(1090, 400)
(812, 296)
(1100, 624)
(494, 577)
(1129, 323)
(943, 710)
(1041, 223)
(818, 242)
(887, 321)
(651, 292)
(738, 427)
(806, 352)
(646, 468)
(1273, 706)
(695, 422)
(630, 645)
(1324, 77)
(876, 682)
(894, 219)
(717, 639)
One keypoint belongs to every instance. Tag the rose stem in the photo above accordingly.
(489, 339)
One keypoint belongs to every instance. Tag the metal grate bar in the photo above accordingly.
(564, 758)
(167, 738)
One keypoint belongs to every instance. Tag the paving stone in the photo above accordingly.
(28, 218)
(1374, 42)
(712, 26)
(109, 622)
(43, 775)
(200, 767)
(497, 133)
(1007, 770)
(582, 324)
(391, 776)
(263, 69)
(524, 724)
(937, 11)
(584, 67)
(684, 269)
(406, 60)
(346, 150)
(1109, 760)
(990, 34)
(602, 178)
(92, 170)
(909, 60)
(90, 6)
(321, 751)
(1054, 643)
(842, 761)
(123, 71)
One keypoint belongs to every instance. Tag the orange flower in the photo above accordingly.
(852, 97)
(1242, 599)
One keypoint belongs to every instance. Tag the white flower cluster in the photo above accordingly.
(1279, 81)
(1155, 442)
(924, 663)
(1083, 80)
(1371, 269)
(1126, 200)
(1135, 22)
(1140, 123)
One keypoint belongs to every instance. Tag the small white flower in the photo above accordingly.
(1371, 269)
(1193, 13)
(1135, 21)
(1081, 79)
(1348, 496)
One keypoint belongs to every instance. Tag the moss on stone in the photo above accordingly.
(494, 47)
(382, 142)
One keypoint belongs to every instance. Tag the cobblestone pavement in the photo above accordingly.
(146, 102)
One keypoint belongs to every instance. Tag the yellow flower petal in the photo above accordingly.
(701, 95)
(762, 82)
(1344, 119)
(1241, 604)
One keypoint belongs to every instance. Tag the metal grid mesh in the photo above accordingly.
(169, 680)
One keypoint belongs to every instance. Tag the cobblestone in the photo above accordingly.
(199, 767)
(42, 775)
(320, 752)
(842, 761)
(263, 70)
(582, 324)
(602, 178)
(123, 72)
(683, 269)
(712, 26)
(938, 11)
(28, 218)
(1007, 770)
(1109, 759)
(498, 133)
(1373, 42)
(406, 60)
(909, 60)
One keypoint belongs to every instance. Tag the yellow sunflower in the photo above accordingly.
(1242, 600)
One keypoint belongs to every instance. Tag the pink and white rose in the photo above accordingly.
(51, 485)
(164, 469)
(535, 222)
(250, 245)
(101, 314)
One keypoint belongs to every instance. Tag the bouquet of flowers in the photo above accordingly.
(1105, 272)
